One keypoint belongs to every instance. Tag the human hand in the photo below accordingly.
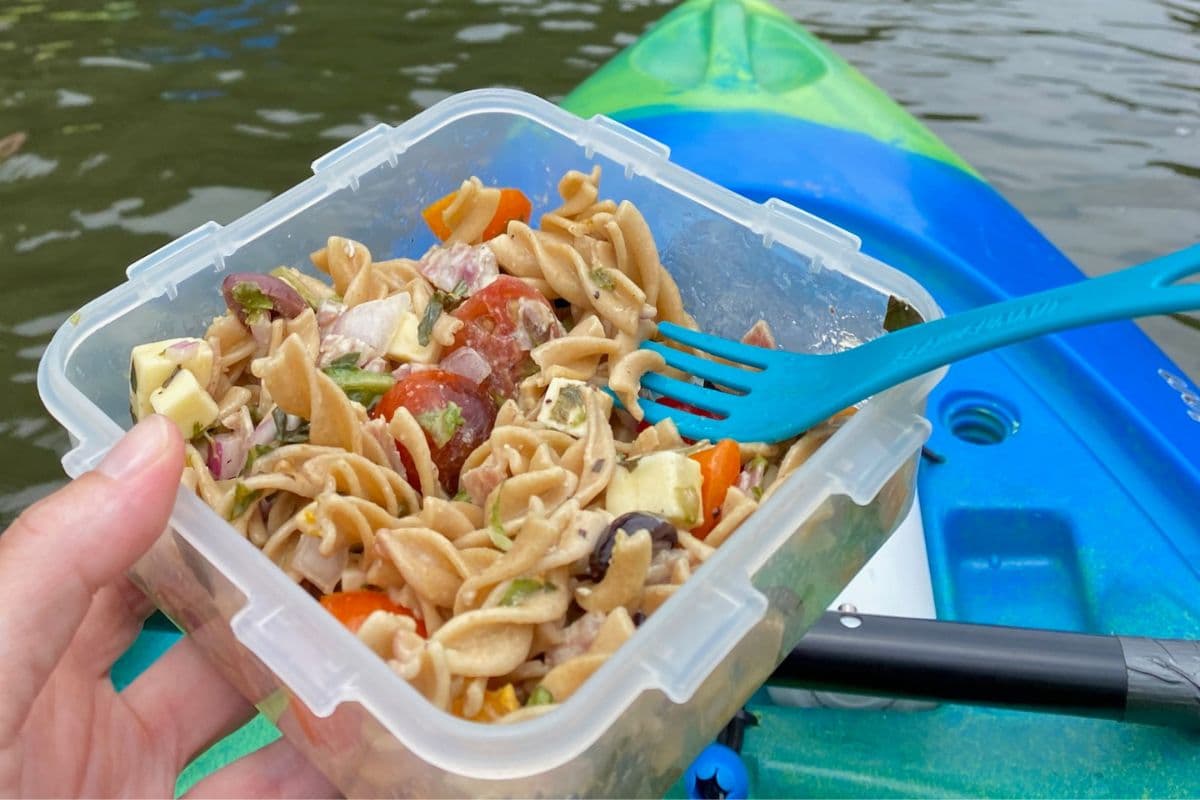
(67, 612)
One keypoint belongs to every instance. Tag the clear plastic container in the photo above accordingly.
(636, 724)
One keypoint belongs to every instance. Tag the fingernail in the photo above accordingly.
(137, 450)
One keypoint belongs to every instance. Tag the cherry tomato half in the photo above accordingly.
(503, 322)
(455, 414)
(672, 403)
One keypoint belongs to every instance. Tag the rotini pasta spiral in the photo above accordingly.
(511, 533)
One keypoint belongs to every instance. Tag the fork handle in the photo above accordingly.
(1142, 290)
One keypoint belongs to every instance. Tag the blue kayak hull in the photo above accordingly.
(1064, 495)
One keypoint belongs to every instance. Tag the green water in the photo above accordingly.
(134, 123)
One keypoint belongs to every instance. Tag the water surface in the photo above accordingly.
(123, 125)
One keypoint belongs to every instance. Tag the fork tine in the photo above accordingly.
(722, 374)
(734, 351)
(690, 426)
(708, 399)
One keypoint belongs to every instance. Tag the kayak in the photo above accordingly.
(1064, 471)
(1059, 491)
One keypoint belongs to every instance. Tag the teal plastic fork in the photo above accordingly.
(776, 395)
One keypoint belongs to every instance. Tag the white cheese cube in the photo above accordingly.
(565, 406)
(186, 403)
(406, 344)
(150, 365)
(667, 484)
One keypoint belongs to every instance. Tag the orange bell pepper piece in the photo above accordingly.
(353, 608)
(513, 205)
(719, 469)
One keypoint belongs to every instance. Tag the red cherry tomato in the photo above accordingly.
(503, 322)
(454, 413)
(672, 403)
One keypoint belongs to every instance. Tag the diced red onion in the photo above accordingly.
(536, 324)
(378, 430)
(576, 638)
(322, 571)
(374, 322)
(227, 455)
(328, 314)
(478, 482)
(467, 362)
(404, 370)
(379, 365)
(266, 432)
(182, 351)
(751, 477)
(285, 301)
(334, 346)
(447, 267)
(261, 331)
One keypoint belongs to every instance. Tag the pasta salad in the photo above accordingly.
(430, 446)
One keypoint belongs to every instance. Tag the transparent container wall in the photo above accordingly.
(729, 277)
(363, 758)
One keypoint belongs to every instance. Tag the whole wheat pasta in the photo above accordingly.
(463, 468)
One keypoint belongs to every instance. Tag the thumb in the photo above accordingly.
(67, 546)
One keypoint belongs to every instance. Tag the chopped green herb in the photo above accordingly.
(602, 279)
(255, 452)
(523, 588)
(540, 696)
(528, 367)
(461, 496)
(297, 435)
(442, 424)
(500, 540)
(900, 315)
(360, 385)
(570, 407)
(348, 360)
(243, 498)
(252, 300)
(441, 301)
(312, 290)
(496, 526)
(425, 328)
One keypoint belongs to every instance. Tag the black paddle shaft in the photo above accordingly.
(1138, 680)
